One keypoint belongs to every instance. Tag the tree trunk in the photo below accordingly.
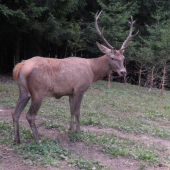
(17, 48)
(163, 77)
(1, 57)
(65, 55)
(140, 73)
(152, 78)
(163, 80)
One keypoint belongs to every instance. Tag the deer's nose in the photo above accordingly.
(123, 73)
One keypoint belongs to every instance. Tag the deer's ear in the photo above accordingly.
(103, 49)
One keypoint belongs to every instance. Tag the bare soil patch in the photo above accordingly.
(146, 139)
(117, 163)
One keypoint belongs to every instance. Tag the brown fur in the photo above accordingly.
(39, 77)
(118, 53)
(16, 70)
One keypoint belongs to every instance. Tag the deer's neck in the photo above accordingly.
(100, 67)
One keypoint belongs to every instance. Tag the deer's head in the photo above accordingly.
(115, 57)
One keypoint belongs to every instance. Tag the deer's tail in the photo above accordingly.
(17, 70)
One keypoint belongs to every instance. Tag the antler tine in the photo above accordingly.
(98, 30)
(130, 35)
(98, 14)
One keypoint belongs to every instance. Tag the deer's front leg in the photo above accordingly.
(75, 103)
(71, 128)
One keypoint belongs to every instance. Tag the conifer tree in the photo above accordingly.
(76, 42)
(46, 19)
(23, 16)
(152, 42)
(165, 50)
(141, 59)
(157, 42)
(114, 19)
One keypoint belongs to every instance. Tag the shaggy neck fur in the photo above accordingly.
(100, 67)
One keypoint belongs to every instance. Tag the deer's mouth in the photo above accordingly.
(123, 73)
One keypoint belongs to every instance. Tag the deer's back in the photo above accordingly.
(55, 77)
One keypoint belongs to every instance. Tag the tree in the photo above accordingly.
(165, 50)
(23, 16)
(152, 42)
(157, 41)
(141, 59)
(114, 18)
(77, 42)
(38, 26)
(153, 66)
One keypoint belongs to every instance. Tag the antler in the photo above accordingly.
(98, 30)
(129, 36)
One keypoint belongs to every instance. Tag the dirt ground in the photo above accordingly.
(9, 160)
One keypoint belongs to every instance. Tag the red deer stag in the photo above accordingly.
(39, 77)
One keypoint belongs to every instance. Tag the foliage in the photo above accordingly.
(61, 28)
(77, 41)
(114, 19)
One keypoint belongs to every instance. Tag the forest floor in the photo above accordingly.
(11, 159)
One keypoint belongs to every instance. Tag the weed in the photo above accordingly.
(142, 166)
(83, 163)
(74, 137)
(51, 124)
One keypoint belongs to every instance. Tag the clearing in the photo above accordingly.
(123, 128)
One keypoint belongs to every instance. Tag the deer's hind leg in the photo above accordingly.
(24, 97)
(35, 105)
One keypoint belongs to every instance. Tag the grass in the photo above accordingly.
(127, 108)
(45, 152)
(115, 146)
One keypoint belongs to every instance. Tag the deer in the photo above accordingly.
(38, 77)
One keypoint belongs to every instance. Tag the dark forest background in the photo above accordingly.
(63, 28)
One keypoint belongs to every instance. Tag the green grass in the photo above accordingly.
(45, 152)
(114, 145)
(51, 125)
(127, 108)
